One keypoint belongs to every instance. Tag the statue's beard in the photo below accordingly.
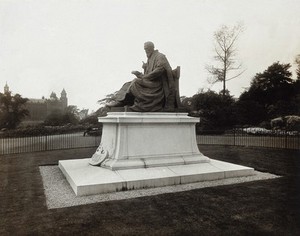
(149, 54)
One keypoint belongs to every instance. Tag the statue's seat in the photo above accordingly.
(176, 76)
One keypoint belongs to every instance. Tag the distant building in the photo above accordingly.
(6, 88)
(39, 109)
(83, 114)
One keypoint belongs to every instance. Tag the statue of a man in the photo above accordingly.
(152, 90)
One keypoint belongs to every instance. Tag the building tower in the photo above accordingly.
(53, 96)
(64, 99)
(6, 88)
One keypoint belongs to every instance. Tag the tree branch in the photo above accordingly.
(236, 75)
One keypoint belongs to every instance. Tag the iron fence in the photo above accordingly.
(272, 139)
(13, 145)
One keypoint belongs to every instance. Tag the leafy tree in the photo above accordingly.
(296, 86)
(274, 83)
(102, 111)
(72, 114)
(70, 118)
(108, 98)
(83, 113)
(249, 111)
(12, 110)
(270, 95)
(297, 61)
(57, 117)
(72, 109)
(90, 120)
(216, 110)
(226, 67)
(186, 102)
(295, 101)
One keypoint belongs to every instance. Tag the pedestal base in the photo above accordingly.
(142, 140)
(87, 180)
(143, 150)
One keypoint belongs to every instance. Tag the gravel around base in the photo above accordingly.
(59, 193)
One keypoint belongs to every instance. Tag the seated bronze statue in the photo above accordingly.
(154, 90)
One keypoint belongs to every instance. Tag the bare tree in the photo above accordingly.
(226, 67)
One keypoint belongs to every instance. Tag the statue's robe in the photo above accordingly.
(152, 91)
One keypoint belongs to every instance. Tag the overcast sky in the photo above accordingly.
(89, 47)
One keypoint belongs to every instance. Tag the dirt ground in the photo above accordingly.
(268, 207)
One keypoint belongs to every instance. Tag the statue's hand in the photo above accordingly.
(144, 66)
(137, 73)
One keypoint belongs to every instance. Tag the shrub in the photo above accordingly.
(42, 130)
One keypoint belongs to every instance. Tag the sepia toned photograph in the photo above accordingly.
(149, 117)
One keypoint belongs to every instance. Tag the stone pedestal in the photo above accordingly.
(143, 150)
(133, 140)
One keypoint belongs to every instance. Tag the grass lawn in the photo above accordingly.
(269, 207)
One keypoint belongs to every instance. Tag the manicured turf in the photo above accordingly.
(270, 207)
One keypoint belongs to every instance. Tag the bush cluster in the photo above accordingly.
(42, 130)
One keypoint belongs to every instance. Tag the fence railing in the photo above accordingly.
(275, 139)
(77, 140)
(14, 145)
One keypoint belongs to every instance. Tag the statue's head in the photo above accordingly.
(149, 48)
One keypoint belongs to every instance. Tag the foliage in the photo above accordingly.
(297, 61)
(42, 130)
(186, 102)
(215, 110)
(102, 111)
(272, 93)
(108, 98)
(93, 118)
(286, 123)
(273, 84)
(225, 40)
(249, 112)
(54, 119)
(72, 110)
(82, 114)
(292, 123)
(12, 110)
(57, 118)
(257, 130)
(263, 131)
